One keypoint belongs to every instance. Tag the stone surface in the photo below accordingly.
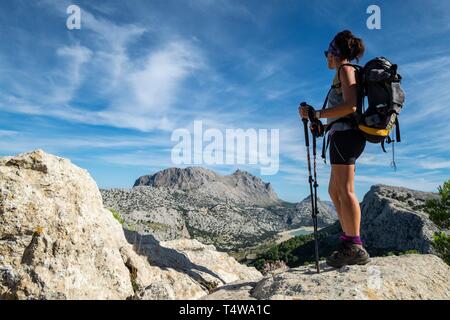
(233, 291)
(202, 263)
(395, 277)
(55, 236)
(393, 219)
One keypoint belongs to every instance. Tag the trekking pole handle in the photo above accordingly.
(305, 124)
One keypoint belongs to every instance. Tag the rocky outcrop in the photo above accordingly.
(393, 220)
(240, 186)
(57, 241)
(384, 278)
(231, 212)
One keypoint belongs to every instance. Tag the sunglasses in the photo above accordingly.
(331, 49)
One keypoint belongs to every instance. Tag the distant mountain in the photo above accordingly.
(327, 213)
(239, 186)
(230, 211)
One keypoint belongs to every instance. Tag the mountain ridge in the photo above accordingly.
(240, 185)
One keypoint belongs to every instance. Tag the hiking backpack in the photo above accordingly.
(385, 97)
(379, 81)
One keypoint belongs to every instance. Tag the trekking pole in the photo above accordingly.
(310, 179)
(316, 210)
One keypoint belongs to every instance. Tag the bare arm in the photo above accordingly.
(349, 93)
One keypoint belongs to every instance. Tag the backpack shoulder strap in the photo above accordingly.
(326, 99)
(334, 86)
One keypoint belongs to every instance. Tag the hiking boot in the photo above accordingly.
(348, 254)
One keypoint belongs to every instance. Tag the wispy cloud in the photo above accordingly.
(435, 164)
(139, 92)
(8, 133)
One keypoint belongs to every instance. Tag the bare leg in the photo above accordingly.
(333, 192)
(349, 205)
(351, 251)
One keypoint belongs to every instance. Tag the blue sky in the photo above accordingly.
(108, 96)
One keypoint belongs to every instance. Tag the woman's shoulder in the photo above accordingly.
(346, 69)
(346, 73)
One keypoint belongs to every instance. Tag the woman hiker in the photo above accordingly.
(346, 145)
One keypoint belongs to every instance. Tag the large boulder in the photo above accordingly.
(384, 278)
(393, 219)
(58, 242)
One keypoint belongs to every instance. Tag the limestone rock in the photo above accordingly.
(200, 262)
(393, 219)
(395, 277)
(238, 290)
(56, 240)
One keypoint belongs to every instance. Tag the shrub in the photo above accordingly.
(442, 245)
(117, 215)
(439, 209)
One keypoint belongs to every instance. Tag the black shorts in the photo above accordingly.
(346, 146)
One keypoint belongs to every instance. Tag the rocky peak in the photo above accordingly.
(238, 186)
(327, 212)
(189, 178)
(250, 178)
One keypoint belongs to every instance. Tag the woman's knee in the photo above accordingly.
(346, 193)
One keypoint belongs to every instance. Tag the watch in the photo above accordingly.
(317, 114)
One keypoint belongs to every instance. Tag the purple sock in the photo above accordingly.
(355, 240)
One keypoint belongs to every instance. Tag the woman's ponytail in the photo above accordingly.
(357, 49)
(349, 46)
